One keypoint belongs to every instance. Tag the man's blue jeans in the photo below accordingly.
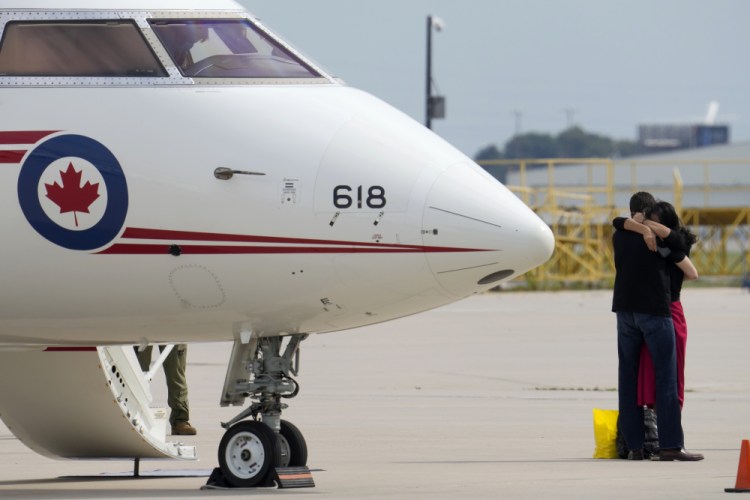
(658, 332)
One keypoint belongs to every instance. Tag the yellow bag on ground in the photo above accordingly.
(605, 433)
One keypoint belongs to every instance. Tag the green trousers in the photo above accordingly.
(174, 372)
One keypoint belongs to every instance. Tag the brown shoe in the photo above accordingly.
(183, 429)
(679, 455)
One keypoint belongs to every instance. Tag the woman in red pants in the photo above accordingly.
(674, 243)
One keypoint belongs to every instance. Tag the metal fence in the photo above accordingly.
(579, 197)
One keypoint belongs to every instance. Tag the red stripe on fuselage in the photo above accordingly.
(69, 349)
(305, 245)
(11, 156)
(24, 137)
(165, 234)
(152, 249)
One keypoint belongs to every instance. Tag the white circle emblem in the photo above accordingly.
(72, 193)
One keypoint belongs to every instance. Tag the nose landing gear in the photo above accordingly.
(293, 445)
(252, 451)
(247, 453)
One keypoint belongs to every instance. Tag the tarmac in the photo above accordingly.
(490, 397)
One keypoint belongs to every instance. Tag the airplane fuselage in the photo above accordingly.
(339, 211)
(171, 171)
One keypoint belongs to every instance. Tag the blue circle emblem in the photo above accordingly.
(70, 196)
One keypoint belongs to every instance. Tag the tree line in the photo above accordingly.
(573, 142)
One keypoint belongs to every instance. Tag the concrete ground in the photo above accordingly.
(490, 397)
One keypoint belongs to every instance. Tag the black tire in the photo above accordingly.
(248, 452)
(293, 445)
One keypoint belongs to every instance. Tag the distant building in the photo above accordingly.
(659, 138)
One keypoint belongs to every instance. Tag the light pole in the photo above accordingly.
(434, 105)
(570, 116)
(518, 115)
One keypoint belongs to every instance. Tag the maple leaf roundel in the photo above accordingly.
(73, 192)
(71, 195)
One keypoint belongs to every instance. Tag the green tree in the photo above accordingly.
(531, 145)
(576, 143)
(491, 152)
(573, 142)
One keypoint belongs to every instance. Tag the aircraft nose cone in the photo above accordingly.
(491, 234)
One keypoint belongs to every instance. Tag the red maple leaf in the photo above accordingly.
(70, 196)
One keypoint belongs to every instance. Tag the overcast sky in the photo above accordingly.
(604, 65)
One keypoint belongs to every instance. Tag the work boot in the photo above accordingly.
(635, 455)
(183, 429)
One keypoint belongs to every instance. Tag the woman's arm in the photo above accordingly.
(672, 238)
(661, 230)
(643, 230)
(687, 268)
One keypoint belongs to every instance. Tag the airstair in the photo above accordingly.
(84, 402)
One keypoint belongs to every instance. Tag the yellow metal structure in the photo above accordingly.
(580, 213)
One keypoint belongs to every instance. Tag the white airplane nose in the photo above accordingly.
(493, 236)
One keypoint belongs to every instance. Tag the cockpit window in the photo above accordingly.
(77, 48)
(216, 48)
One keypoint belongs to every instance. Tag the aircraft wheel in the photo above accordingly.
(293, 445)
(247, 453)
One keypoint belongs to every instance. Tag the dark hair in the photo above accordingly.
(640, 201)
(668, 216)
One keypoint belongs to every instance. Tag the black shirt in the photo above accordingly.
(674, 248)
(680, 249)
(641, 277)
